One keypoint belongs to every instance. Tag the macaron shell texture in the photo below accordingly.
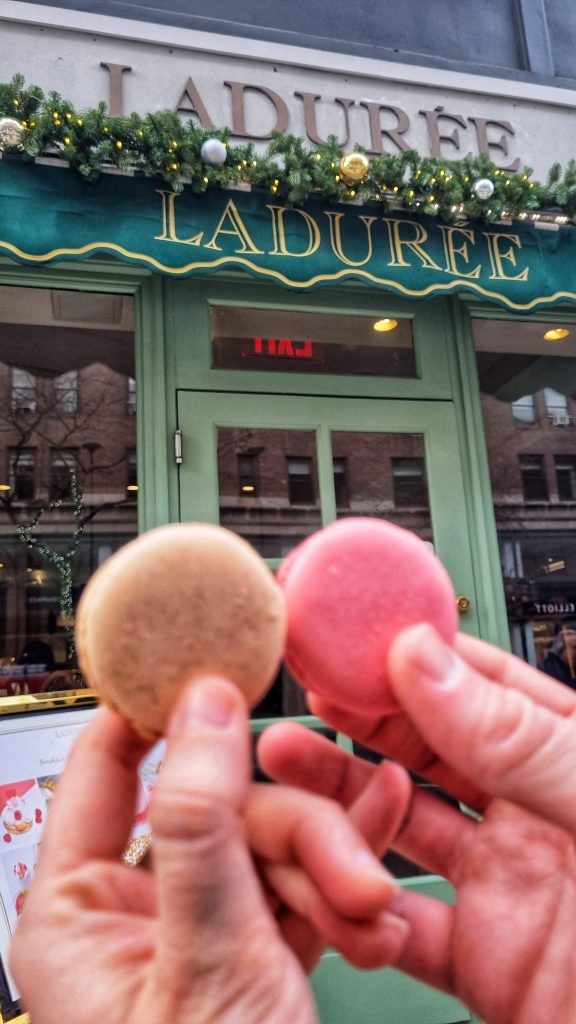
(178, 602)
(349, 590)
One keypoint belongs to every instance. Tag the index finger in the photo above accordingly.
(92, 813)
(397, 737)
(510, 671)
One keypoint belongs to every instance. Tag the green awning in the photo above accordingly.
(49, 214)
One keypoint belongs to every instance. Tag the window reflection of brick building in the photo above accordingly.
(269, 487)
(66, 420)
(528, 390)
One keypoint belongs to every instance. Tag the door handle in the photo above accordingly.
(463, 603)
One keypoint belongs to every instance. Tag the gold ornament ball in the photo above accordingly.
(354, 167)
(10, 132)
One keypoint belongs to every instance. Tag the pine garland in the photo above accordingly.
(161, 145)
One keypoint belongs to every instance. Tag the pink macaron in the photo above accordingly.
(349, 590)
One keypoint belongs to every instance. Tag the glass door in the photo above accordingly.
(276, 468)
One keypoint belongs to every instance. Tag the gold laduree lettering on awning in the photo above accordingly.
(47, 214)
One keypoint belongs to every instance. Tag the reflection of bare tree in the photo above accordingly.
(48, 421)
(47, 425)
(62, 561)
(67, 455)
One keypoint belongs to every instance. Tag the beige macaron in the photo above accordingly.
(179, 602)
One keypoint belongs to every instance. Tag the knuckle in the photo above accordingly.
(510, 735)
(179, 813)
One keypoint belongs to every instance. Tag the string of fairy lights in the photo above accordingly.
(62, 561)
(185, 155)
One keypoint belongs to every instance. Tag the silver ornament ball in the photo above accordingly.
(10, 132)
(213, 152)
(483, 188)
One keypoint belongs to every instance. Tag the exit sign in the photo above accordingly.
(278, 348)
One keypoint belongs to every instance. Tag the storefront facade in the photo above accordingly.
(227, 357)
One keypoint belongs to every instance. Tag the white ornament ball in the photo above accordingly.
(10, 132)
(213, 152)
(483, 188)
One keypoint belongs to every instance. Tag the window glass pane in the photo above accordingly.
(533, 477)
(67, 456)
(23, 390)
(248, 475)
(534, 485)
(22, 478)
(523, 409)
(268, 486)
(341, 482)
(131, 395)
(300, 481)
(385, 476)
(63, 474)
(290, 341)
(566, 477)
(268, 494)
(66, 392)
(131, 474)
(409, 482)
(556, 404)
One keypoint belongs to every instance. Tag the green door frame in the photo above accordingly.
(446, 361)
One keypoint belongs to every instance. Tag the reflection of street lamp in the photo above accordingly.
(91, 447)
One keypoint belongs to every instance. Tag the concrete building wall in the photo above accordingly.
(523, 39)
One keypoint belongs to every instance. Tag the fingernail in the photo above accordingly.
(392, 923)
(209, 701)
(368, 861)
(435, 661)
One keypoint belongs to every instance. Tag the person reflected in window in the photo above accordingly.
(560, 658)
(38, 653)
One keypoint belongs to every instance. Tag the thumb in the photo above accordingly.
(208, 895)
(498, 737)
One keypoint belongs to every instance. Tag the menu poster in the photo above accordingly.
(33, 752)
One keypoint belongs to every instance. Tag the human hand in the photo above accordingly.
(199, 937)
(502, 737)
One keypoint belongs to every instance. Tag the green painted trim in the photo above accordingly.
(92, 275)
(488, 583)
(484, 311)
(259, 725)
(189, 336)
(156, 469)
